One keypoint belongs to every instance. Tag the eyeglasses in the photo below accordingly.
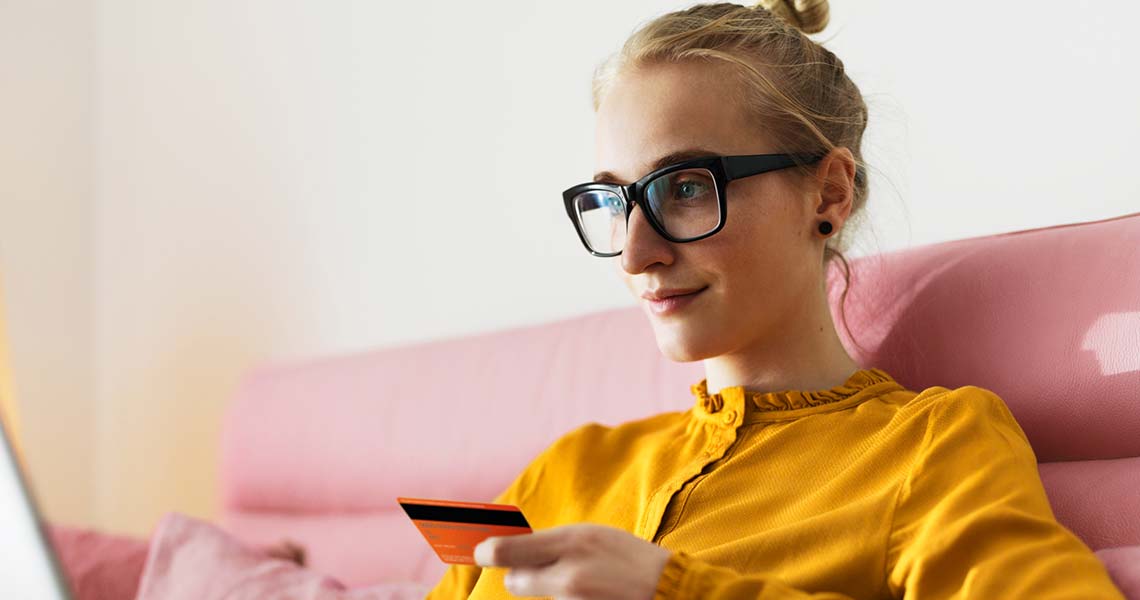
(683, 202)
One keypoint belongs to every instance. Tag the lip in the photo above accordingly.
(663, 293)
(667, 302)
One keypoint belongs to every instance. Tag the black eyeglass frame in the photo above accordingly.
(723, 168)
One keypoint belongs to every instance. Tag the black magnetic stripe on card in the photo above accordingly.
(458, 514)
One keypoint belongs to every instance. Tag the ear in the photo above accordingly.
(836, 176)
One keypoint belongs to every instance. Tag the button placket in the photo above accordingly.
(660, 499)
(726, 423)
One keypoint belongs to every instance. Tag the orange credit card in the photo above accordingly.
(454, 528)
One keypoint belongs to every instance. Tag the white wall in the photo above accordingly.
(46, 229)
(277, 180)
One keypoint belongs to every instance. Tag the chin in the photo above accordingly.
(679, 344)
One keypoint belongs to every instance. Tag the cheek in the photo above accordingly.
(757, 229)
(749, 259)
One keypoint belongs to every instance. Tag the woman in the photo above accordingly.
(803, 475)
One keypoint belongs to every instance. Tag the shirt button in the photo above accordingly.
(729, 417)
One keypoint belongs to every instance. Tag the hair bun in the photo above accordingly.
(809, 16)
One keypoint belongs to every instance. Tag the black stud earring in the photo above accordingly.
(825, 227)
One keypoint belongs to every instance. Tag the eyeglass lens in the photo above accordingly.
(684, 203)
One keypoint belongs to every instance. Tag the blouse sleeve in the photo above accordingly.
(459, 580)
(685, 576)
(971, 520)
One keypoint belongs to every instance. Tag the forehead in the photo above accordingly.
(658, 109)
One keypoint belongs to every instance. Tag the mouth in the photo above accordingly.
(664, 293)
(669, 303)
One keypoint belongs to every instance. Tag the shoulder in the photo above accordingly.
(598, 437)
(595, 438)
(967, 404)
(589, 455)
(968, 421)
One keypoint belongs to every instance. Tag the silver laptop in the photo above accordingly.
(29, 567)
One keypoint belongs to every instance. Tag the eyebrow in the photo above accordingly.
(664, 161)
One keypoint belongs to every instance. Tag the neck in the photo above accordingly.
(802, 352)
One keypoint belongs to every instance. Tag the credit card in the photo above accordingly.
(454, 528)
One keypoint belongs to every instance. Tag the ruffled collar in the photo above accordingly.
(736, 402)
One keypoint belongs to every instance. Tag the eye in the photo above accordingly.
(690, 188)
(615, 206)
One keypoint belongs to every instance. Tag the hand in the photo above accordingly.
(580, 561)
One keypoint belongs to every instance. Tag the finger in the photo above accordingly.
(558, 580)
(528, 581)
(527, 549)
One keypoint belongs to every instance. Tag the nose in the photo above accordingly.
(643, 245)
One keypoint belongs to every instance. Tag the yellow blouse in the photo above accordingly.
(865, 490)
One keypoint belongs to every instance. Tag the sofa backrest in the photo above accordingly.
(320, 450)
(1049, 319)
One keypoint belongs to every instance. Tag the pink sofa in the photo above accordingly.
(1048, 318)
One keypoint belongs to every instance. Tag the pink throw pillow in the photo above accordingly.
(191, 559)
(98, 565)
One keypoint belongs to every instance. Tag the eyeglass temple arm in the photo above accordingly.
(736, 167)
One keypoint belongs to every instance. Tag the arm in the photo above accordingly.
(459, 580)
(687, 577)
(971, 521)
(972, 518)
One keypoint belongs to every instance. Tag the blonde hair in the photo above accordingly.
(791, 86)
